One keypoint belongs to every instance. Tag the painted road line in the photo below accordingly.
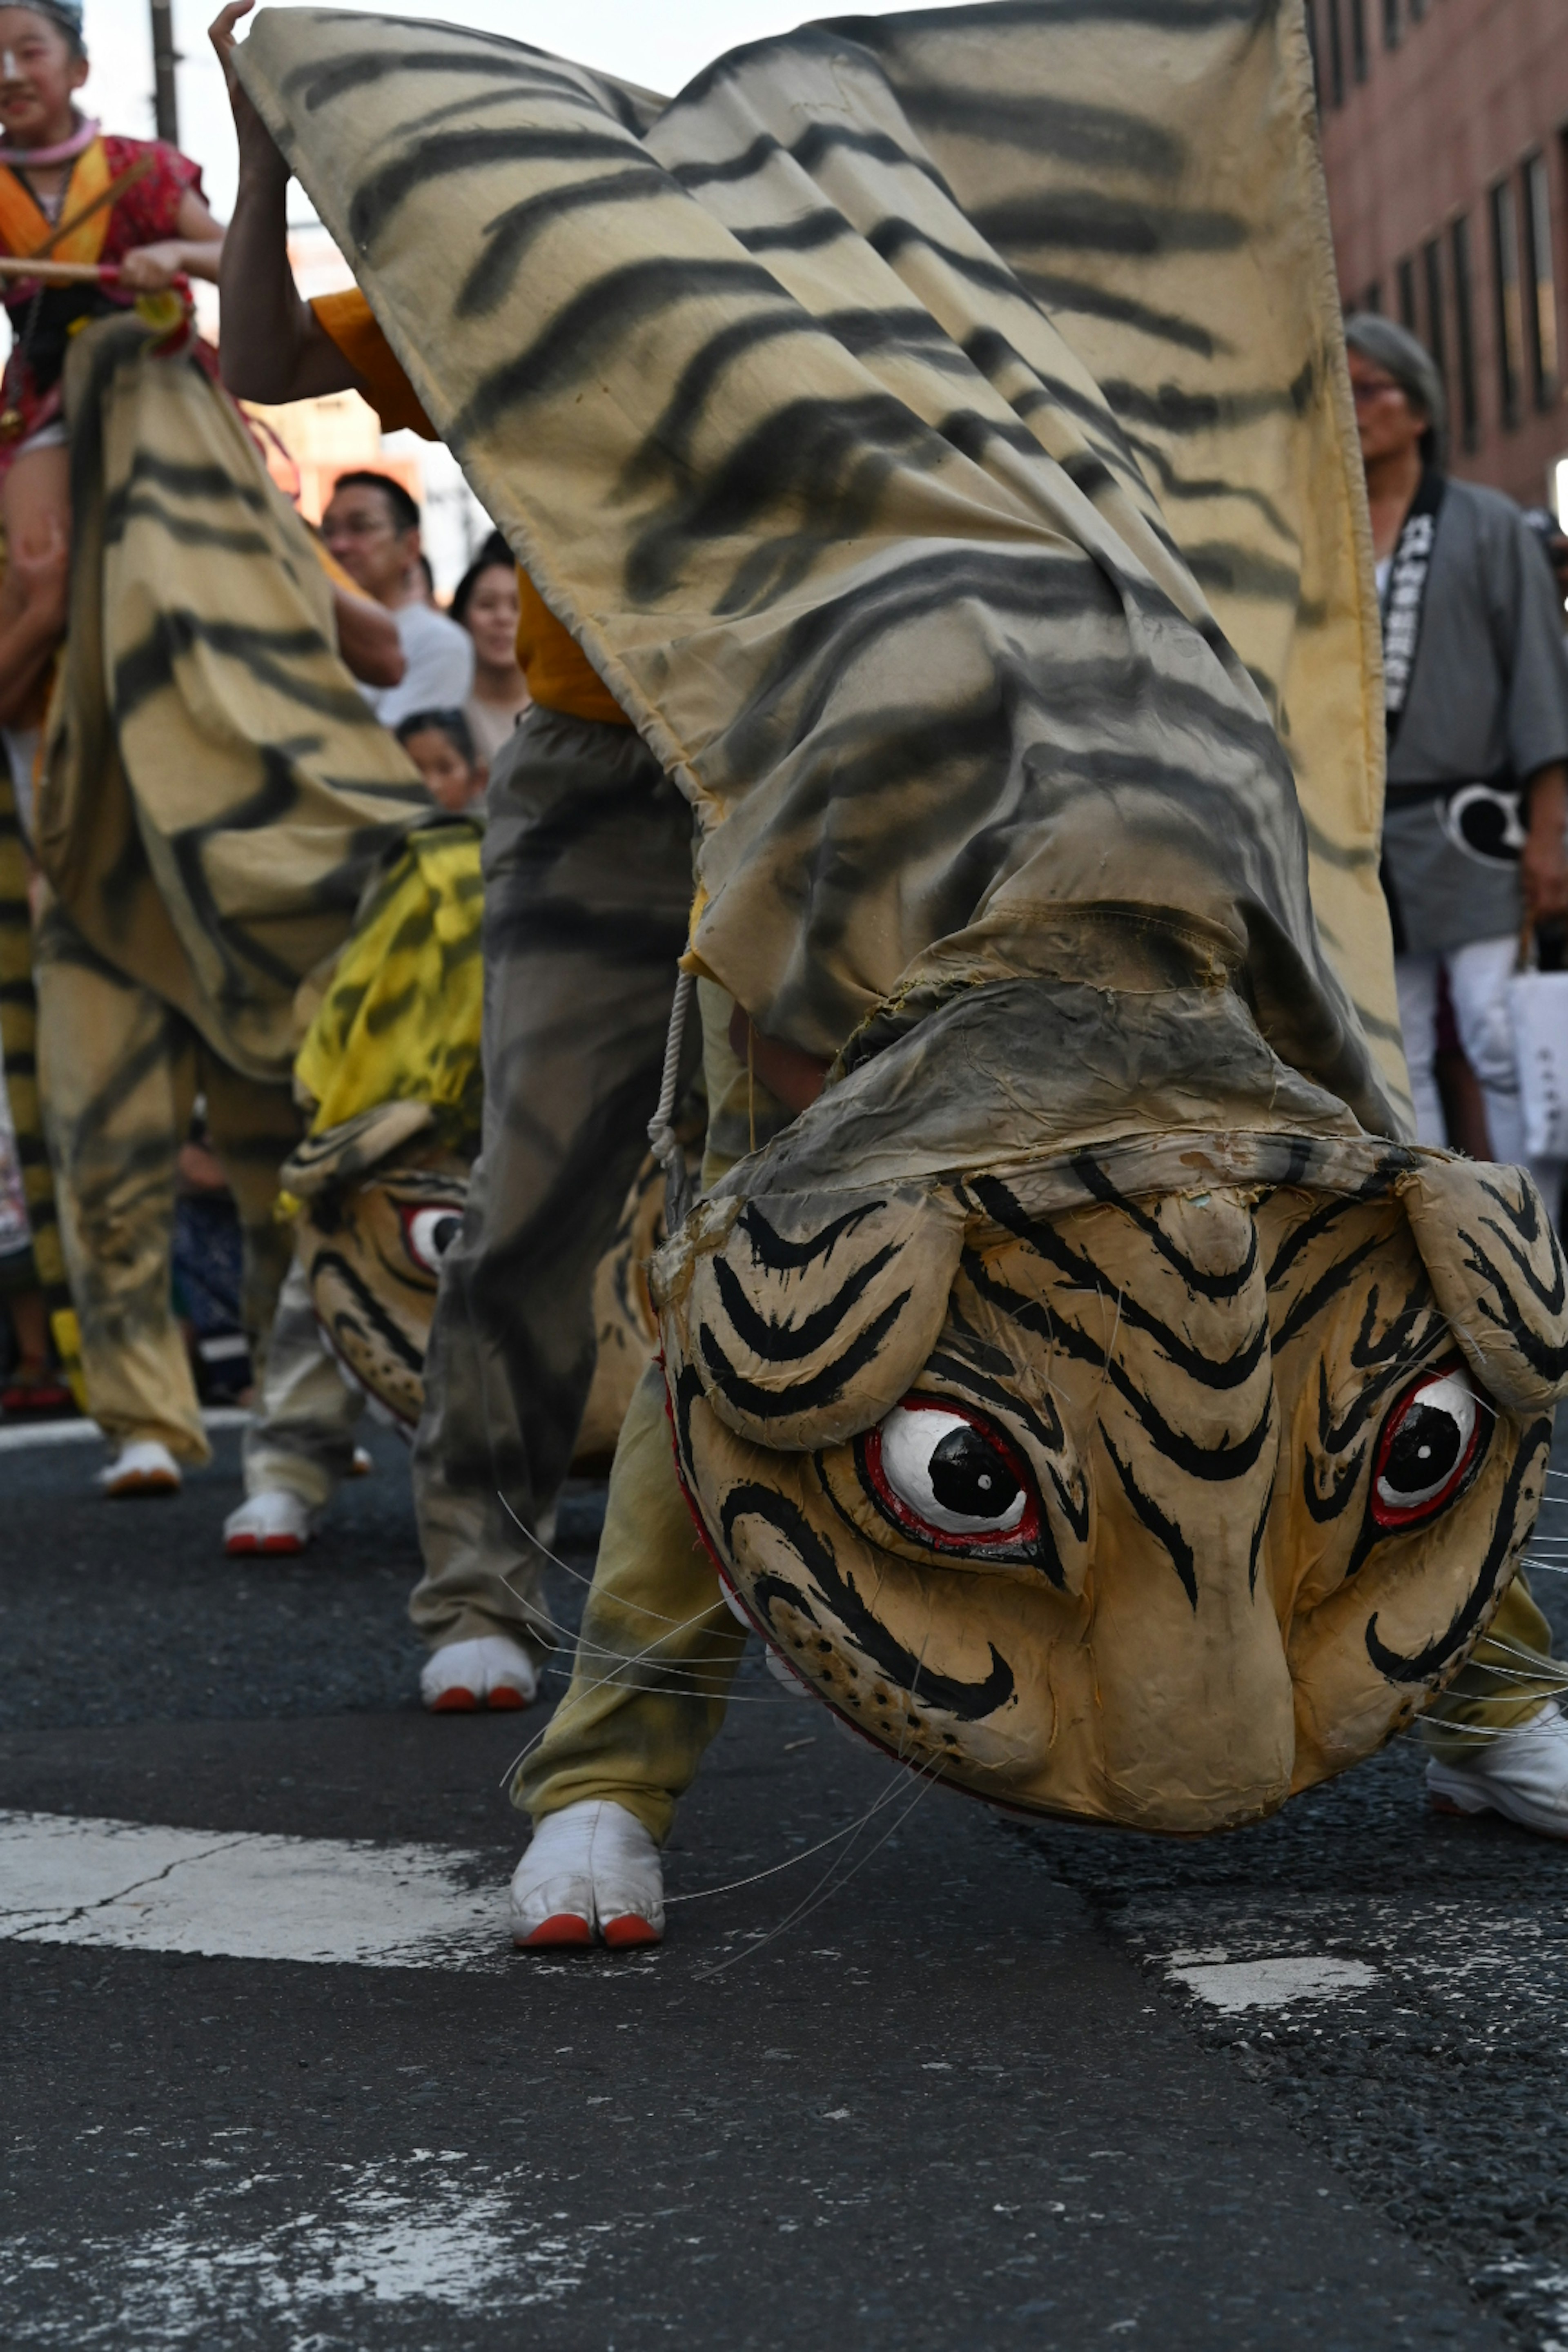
(241, 1897)
(17, 1434)
(1235, 1985)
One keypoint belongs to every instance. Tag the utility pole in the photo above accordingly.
(165, 58)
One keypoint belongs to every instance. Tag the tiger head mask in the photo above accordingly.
(1148, 1483)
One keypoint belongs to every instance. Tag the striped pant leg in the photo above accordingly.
(658, 1646)
(587, 890)
(118, 1077)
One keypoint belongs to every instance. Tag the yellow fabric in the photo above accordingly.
(560, 675)
(348, 320)
(400, 1021)
(24, 226)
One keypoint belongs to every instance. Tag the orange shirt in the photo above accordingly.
(559, 672)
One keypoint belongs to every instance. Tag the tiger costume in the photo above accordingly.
(940, 441)
(214, 795)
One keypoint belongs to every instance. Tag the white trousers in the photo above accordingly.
(1479, 975)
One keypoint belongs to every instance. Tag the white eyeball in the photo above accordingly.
(1426, 1447)
(948, 1474)
(429, 1235)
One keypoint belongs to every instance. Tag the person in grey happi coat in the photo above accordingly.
(1477, 685)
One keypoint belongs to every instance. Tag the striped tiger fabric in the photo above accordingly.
(936, 433)
(216, 791)
(940, 443)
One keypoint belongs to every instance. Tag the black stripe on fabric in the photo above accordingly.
(666, 450)
(968, 1702)
(773, 1343)
(771, 1249)
(1421, 1664)
(1057, 292)
(1230, 570)
(1526, 1219)
(185, 530)
(1100, 1187)
(1034, 123)
(148, 668)
(824, 1388)
(1170, 409)
(318, 82)
(1082, 220)
(512, 234)
(1165, 1530)
(213, 485)
(1186, 487)
(814, 146)
(586, 332)
(806, 234)
(1047, 1241)
(379, 196)
(828, 460)
(370, 1309)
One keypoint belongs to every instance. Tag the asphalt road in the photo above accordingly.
(950, 2082)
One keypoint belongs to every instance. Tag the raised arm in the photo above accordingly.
(271, 347)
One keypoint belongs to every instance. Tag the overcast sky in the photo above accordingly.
(658, 43)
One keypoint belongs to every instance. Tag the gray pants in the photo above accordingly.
(588, 863)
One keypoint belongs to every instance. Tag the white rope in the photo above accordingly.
(661, 1132)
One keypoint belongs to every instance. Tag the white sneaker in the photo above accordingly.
(144, 1468)
(467, 1675)
(275, 1521)
(591, 1871)
(1522, 1774)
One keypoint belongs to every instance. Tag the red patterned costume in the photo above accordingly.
(123, 192)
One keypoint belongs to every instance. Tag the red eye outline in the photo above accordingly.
(1397, 1518)
(1015, 1542)
(413, 1217)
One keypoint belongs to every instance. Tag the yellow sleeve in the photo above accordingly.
(352, 324)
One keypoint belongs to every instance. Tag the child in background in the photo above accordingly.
(441, 745)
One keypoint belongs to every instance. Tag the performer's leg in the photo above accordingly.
(657, 1649)
(1478, 976)
(1498, 1743)
(302, 1442)
(1416, 979)
(117, 1070)
(587, 888)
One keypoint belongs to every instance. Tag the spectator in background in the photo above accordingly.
(441, 746)
(1476, 696)
(371, 528)
(486, 605)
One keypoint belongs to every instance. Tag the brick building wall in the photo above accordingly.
(1445, 128)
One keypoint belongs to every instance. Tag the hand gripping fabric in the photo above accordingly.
(935, 430)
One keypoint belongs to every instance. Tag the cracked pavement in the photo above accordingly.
(951, 2081)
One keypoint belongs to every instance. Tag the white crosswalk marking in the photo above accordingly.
(64, 1880)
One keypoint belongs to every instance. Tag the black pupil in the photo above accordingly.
(1426, 1449)
(970, 1477)
(443, 1234)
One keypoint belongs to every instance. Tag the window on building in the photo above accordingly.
(1417, 10)
(1509, 309)
(1540, 282)
(1404, 282)
(1391, 24)
(1372, 299)
(1465, 331)
(1336, 53)
(1435, 322)
(1358, 39)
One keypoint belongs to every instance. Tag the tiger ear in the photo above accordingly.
(808, 1316)
(341, 1154)
(1487, 1244)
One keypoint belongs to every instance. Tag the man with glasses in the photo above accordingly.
(371, 528)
